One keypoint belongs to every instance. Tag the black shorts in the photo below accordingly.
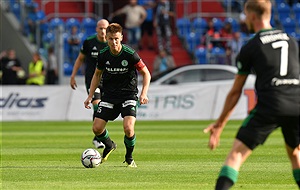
(257, 127)
(108, 111)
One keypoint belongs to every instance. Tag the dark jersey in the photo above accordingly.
(119, 74)
(90, 48)
(9, 75)
(273, 56)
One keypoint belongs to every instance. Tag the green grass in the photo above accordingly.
(169, 155)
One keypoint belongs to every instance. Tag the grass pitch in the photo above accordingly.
(169, 155)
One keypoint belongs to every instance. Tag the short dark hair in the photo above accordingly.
(114, 28)
(260, 7)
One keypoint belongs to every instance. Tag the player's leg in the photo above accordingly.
(102, 135)
(294, 156)
(229, 172)
(95, 102)
(128, 113)
(105, 112)
(253, 132)
(129, 139)
(290, 131)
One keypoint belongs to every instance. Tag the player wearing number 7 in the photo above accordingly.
(273, 56)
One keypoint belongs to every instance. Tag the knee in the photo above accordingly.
(98, 129)
(129, 130)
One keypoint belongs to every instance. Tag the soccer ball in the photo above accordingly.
(90, 158)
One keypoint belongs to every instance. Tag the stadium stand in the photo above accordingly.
(183, 26)
(199, 25)
(283, 10)
(56, 22)
(201, 55)
(296, 10)
(289, 25)
(70, 22)
(88, 25)
(190, 25)
(234, 23)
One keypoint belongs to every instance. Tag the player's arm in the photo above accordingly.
(79, 60)
(232, 98)
(146, 83)
(143, 70)
(94, 84)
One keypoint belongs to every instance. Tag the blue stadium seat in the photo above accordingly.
(193, 40)
(55, 22)
(217, 55)
(70, 22)
(218, 23)
(88, 25)
(82, 36)
(201, 55)
(199, 25)
(48, 39)
(43, 26)
(66, 46)
(68, 68)
(296, 10)
(234, 23)
(279, 1)
(295, 35)
(289, 25)
(284, 11)
(16, 9)
(183, 26)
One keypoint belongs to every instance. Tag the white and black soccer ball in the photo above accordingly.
(91, 158)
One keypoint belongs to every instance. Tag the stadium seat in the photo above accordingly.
(201, 55)
(218, 23)
(199, 25)
(289, 25)
(296, 10)
(192, 41)
(183, 26)
(88, 25)
(66, 46)
(217, 55)
(68, 69)
(279, 1)
(16, 9)
(234, 23)
(48, 39)
(82, 36)
(284, 11)
(295, 35)
(55, 22)
(43, 26)
(70, 22)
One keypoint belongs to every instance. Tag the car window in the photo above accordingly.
(185, 77)
(217, 74)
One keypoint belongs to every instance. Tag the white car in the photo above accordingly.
(196, 74)
(195, 92)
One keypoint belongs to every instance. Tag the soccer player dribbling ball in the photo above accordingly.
(273, 55)
(117, 67)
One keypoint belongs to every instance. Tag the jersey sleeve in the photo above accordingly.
(243, 61)
(84, 48)
(100, 62)
(138, 62)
